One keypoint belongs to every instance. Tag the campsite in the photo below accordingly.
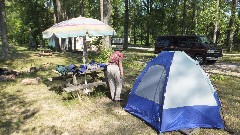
(119, 67)
(42, 109)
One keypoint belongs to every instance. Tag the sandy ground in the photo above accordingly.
(225, 68)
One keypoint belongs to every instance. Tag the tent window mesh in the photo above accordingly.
(152, 83)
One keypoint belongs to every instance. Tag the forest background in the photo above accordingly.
(23, 21)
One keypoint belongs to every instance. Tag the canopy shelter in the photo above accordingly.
(79, 27)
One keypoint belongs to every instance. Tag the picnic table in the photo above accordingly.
(83, 80)
(94, 81)
(45, 52)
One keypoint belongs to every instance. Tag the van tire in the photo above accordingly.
(200, 58)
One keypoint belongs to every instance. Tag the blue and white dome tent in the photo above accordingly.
(174, 93)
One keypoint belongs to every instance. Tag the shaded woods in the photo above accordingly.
(141, 21)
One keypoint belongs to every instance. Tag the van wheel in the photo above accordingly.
(200, 58)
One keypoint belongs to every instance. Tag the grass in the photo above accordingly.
(231, 58)
(229, 93)
(43, 109)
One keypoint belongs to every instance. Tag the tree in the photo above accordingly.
(4, 37)
(135, 12)
(216, 22)
(117, 16)
(58, 16)
(194, 16)
(141, 20)
(27, 19)
(237, 35)
(231, 26)
(126, 22)
(184, 17)
(105, 11)
(57, 10)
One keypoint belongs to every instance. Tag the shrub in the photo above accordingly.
(102, 56)
(217, 77)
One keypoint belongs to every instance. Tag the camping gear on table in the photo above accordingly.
(64, 70)
(174, 93)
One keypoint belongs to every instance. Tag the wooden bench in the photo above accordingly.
(81, 87)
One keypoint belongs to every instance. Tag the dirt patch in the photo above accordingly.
(225, 68)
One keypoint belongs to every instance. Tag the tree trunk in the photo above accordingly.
(56, 19)
(126, 22)
(70, 44)
(105, 17)
(101, 9)
(57, 44)
(231, 28)
(174, 23)
(238, 30)
(74, 44)
(216, 23)
(148, 22)
(194, 19)
(81, 8)
(3, 26)
(59, 10)
(68, 13)
(58, 15)
(134, 35)
(184, 17)
(141, 34)
(135, 24)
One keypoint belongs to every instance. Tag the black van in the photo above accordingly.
(199, 47)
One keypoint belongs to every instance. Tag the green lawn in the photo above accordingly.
(44, 109)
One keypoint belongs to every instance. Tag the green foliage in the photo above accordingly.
(117, 17)
(218, 77)
(102, 56)
(234, 59)
(29, 18)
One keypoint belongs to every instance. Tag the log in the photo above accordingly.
(31, 81)
(7, 77)
(72, 88)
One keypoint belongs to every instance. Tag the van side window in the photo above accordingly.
(164, 42)
(182, 42)
(192, 41)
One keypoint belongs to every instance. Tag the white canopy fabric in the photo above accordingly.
(79, 26)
